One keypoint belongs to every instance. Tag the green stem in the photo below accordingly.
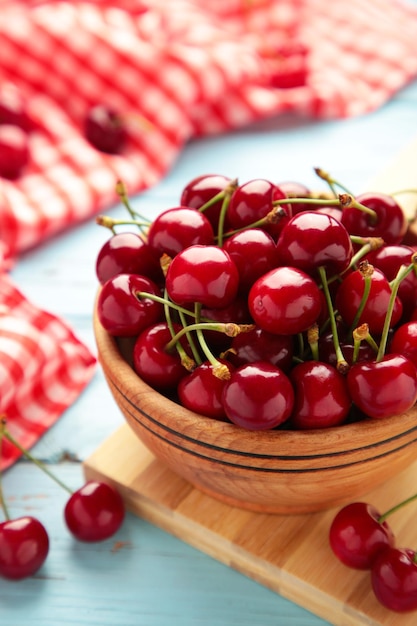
(342, 364)
(121, 191)
(190, 339)
(31, 458)
(401, 274)
(332, 182)
(186, 361)
(367, 284)
(396, 508)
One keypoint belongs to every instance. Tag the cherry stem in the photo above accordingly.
(366, 269)
(395, 284)
(341, 364)
(190, 340)
(396, 508)
(332, 182)
(186, 361)
(30, 457)
(223, 211)
(111, 222)
(121, 191)
(313, 341)
(361, 333)
(219, 369)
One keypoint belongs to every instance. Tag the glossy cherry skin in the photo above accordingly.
(311, 240)
(404, 341)
(200, 190)
(321, 396)
(394, 579)
(384, 388)
(203, 274)
(389, 259)
(349, 296)
(121, 312)
(24, 546)
(258, 396)
(295, 189)
(253, 201)
(236, 312)
(178, 228)
(285, 301)
(127, 253)
(357, 536)
(328, 353)
(158, 367)
(94, 512)
(259, 345)
(105, 129)
(201, 391)
(14, 151)
(254, 253)
(390, 223)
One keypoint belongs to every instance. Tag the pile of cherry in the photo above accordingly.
(271, 306)
(267, 305)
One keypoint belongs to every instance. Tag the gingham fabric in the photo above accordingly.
(177, 69)
(43, 368)
(188, 67)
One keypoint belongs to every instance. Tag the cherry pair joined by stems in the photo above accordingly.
(92, 513)
(361, 538)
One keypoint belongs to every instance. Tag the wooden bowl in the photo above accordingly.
(282, 472)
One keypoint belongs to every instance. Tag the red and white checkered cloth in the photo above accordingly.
(180, 69)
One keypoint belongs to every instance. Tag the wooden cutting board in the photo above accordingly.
(288, 554)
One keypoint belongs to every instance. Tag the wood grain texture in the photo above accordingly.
(287, 553)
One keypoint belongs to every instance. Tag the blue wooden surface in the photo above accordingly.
(150, 578)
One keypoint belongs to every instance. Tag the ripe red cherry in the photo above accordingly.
(204, 274)
(295, 189)
(394, 579)
(349, 297)
(178, 228)
(404, 341)
(321, 396)
(24, 546)
(311, 240)
(383, 388)
(253, 201)
(121, 312)
(201, 391)
(94, 512)
(127, 253)
(258, 396)
(390, 223)
(357, 536)
(254, 253)
(14, 151)
(158, 367)
(105, 129)
(259, 345)
(285, 301)
(389, 259)
(201, 190)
